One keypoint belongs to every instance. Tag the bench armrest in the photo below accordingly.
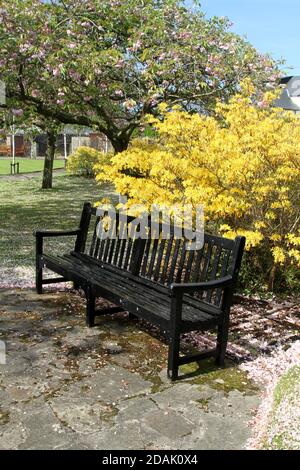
(201, 286)
(55, 233)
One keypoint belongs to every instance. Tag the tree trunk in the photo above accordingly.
(120, 144)
(272, 277)
(49, 158)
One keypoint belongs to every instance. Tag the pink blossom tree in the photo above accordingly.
(105, 64)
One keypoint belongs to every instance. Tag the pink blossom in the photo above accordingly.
(17, 112)
(120, 64)
(185, 35)
(75, 75)
(130, 104)
(262, 104)
(137, 45)
(224, 47)
(24, 47)
(39, 55)
(60, 102)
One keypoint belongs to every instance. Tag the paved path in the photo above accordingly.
(68, 387)
(27, 176)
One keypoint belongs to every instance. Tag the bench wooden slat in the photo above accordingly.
(224, 269)
(214, 270)
(156, 290)
(128, 248)
(165, 261)
(148, 300)
(207, 259)
(181, 262)
(189, 264)
(152, 259)
(161, 249)
(137, 279)
(198, 260)
(94, 239)
(122, 252)
(145, 257)
(174, 261)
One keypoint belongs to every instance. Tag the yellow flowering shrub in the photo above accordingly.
(243, 165)
(82, 161)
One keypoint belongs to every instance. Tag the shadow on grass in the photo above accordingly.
(25, 207)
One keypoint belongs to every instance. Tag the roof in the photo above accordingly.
(285, 80)
(290, 97)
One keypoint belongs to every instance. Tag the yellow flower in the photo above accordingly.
(275, 237)
(279, 255)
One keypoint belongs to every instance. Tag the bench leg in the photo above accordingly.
(173, 358)
(222, 340)
(39, 280)
(174, 336)
(39, 266)
(90, 309)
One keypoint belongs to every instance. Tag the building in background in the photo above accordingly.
(67, 142)
(290, 97)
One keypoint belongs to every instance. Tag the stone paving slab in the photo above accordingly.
(65, 386)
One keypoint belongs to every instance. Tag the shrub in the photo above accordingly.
(243, 165)
(83, 160)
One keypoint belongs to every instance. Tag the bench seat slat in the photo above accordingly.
(133, 284)
(191, 300)
(137, 297)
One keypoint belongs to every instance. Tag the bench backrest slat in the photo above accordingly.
(165, 261)
(174, 259)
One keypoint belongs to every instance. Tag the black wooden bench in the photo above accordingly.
(155, 279)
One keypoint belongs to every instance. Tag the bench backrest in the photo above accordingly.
(166, 260)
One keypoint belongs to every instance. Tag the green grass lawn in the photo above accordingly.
(25, 207)
(27, 165)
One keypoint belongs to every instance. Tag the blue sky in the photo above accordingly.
(270, 25)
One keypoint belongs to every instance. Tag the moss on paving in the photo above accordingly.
(148, 355)
(204, 404)
(223, 379)
(283, 432)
